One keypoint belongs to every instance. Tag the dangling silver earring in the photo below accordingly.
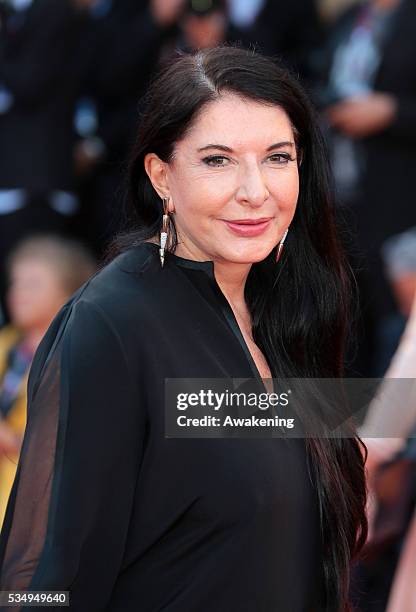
(164, 230)
(281, 245)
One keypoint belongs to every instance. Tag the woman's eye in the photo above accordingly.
(215, 160)
(281, 158)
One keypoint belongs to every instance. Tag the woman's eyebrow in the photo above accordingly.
(277, 145)
(216, 146)
(280, 145)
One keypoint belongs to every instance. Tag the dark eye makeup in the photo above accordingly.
(282, 158)
(216, 161)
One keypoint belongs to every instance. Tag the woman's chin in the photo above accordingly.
(248, 255)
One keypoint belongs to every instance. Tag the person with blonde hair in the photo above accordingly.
(43, 272)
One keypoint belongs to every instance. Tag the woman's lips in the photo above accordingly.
(248, 227)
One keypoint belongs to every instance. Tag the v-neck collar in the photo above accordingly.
(227, 311)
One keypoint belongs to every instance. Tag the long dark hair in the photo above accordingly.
(299, 308)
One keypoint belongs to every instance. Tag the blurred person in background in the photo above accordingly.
(382, 580)
(402, 596)
(203, 25)
(243, 14)
(389, 432)
(331, 9)
(43, 272)
(118, 54)
(399, 254)
(399, 259)
(369, 93)
(37, 97)
(291, 30)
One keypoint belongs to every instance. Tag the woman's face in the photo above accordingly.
(234, 181)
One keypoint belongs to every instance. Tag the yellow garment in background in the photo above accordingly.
(16, 418)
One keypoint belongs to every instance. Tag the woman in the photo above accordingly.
(126, 518)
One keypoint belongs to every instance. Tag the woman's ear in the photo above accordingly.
(156, 171)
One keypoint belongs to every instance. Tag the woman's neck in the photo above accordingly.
(231, 277)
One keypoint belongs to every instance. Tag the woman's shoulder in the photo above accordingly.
(127, 272)
(123, 288)
(113, 304)
(105, 316)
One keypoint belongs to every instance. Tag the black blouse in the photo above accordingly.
(125, 519)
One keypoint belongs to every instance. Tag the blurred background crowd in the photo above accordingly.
(72, 73)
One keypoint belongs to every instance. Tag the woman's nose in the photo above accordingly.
(252, 188)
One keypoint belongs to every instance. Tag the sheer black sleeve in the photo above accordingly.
(68, 515)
